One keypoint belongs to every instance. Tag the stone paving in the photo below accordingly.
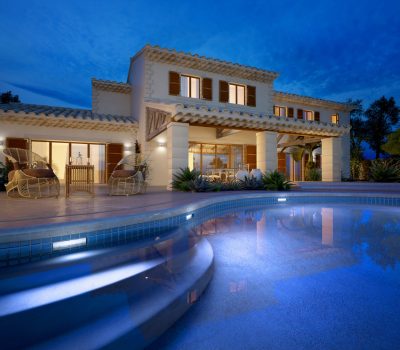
(27, 212)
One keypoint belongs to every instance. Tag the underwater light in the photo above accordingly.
(281, 199)
(69, 244)
(189, 216)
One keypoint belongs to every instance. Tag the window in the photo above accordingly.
(335, 118)
(308, 115)
(236, 94)
(280, 111)
(190, 86)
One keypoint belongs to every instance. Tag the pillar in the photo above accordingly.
(331, 159)
(267, 159)
(177, 148)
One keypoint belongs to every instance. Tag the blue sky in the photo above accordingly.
(329, 49)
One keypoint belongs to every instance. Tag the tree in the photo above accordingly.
(392, 146)
(381, 116)
(8, 97)
(357, 132)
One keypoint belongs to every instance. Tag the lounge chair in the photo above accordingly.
(32, 176)
(128, 178)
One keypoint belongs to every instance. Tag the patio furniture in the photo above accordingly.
(79, 178)
(256, 173)
(32, 176)
(241, 175)
(128, 178)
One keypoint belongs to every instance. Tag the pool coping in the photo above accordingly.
(41, 231)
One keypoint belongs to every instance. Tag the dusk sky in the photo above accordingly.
(336, 50)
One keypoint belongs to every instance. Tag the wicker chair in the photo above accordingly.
(128, 178)
(32, 176)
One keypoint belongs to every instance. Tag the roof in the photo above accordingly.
(319, 102)
(109, 85)
(194, 61)
(203, 115)
(64, 117)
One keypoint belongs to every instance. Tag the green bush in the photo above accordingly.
(251, 183)
(276, 181)
(183, 180)
(312, 174)
(385, 170)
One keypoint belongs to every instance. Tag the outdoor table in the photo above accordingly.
(79, 178)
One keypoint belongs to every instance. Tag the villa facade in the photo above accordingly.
(187, 111)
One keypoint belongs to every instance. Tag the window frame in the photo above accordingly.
(190, 85)
(284, 108)
(336, 116)
(305, 114)
(236, 85)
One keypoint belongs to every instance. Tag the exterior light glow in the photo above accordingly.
(162, 144)
(281, 199)
(69, 244)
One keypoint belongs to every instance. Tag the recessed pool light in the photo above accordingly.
(281, 199)
(69, 244)
(189, 216)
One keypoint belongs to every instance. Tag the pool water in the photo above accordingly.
(298, 277)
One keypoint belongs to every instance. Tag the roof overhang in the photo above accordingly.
(241, 120)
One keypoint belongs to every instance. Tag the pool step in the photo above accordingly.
(119, 302)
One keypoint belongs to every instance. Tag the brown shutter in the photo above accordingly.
(299, 114)
(223, 91)
(174, 84)
(251, 96)
(251, 156)
(114, 153)
(290, 112)
(316, 116)
(282, 162)
(13, 142)
(207, 89)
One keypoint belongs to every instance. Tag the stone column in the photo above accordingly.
(177, 148)
(267, 159)
(331, 159)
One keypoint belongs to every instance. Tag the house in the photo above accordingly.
(187, 111)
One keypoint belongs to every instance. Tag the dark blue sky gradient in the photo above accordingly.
(329, 49)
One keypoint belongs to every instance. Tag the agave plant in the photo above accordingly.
(385, 170)
(276, 181)
(251, 183)
(183, 179)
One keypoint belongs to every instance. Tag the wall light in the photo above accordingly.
(69, 244)
(1, 143)
(162, 144)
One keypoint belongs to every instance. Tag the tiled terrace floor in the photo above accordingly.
(26, 212)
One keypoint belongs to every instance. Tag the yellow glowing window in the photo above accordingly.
(280, 111)
(335, 118)
(236, 94)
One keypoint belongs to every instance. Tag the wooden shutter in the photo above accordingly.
(251, 156)
(290, 111)
(114, 153)
(174, 83)
(299, 114)
(13, 142)
(251, 96)
(223, 91)
(207, 89)
(282, 163)
(316, 116)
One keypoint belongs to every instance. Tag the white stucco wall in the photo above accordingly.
(159, 84)
(108, 102)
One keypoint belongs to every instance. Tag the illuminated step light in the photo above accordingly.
(189, 216)
(69, 244)
(281, 199)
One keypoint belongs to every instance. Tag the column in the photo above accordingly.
(331, 159)
(345, 141)
(177, 148)
(267, 159)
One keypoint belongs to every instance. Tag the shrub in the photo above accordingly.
(183, 180)
(385, 170)
(276, 181)
(313, 174)
(251, 183)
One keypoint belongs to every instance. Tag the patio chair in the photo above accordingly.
(32, 176)
(128, 178)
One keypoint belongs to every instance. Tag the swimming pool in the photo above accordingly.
(301, 276)
(291, 271)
